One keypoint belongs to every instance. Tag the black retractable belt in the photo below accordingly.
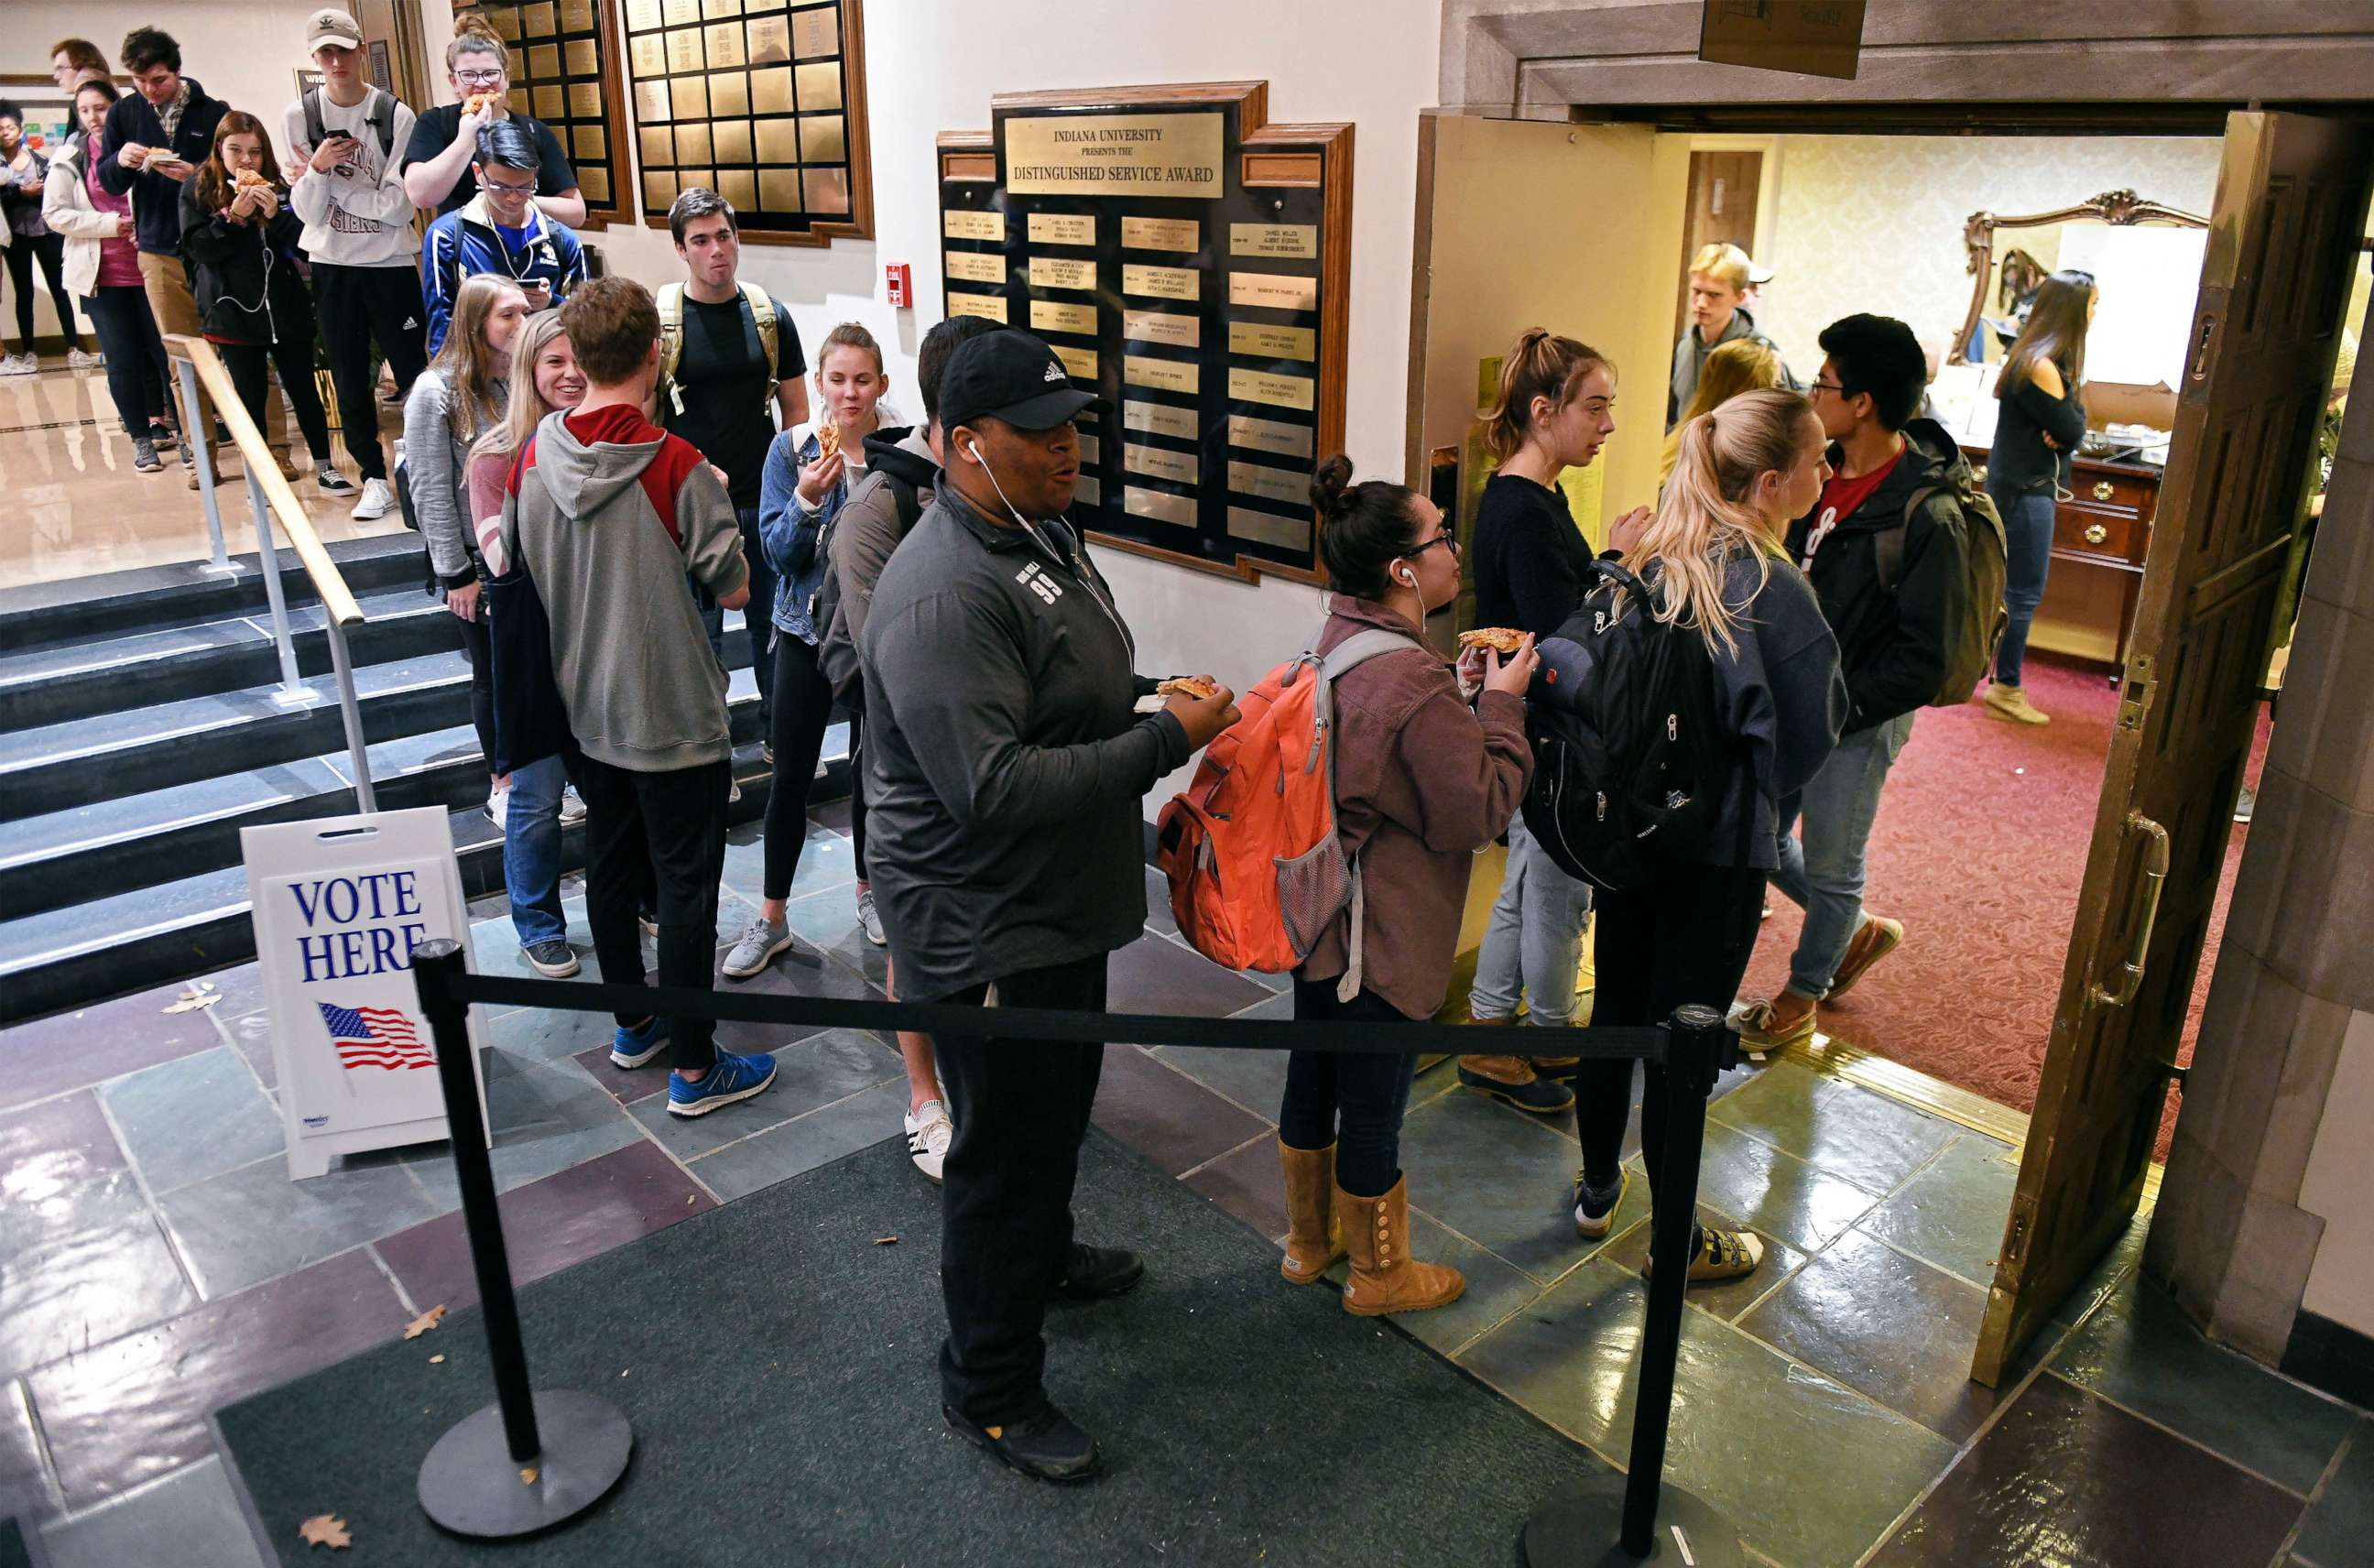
(530, 1460)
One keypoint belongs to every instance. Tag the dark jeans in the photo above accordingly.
(669, 828)
(246, 362)
(478, 650)
(2028, 538)
(1353, 1102)
(1686, 937)
(355, 304)
(1021, 1108)
(759, 618)
(803, 709)
(136, 368)
(50, 250)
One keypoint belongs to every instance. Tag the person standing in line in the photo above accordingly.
(1892, 643)
(342, 137)
(806, 486)
(1740, 365)
(24, 176)
(1720, 279)
(730, 367)
(608, 513)
(439, 172)
(72, 61)
(901, 468)
(1008, 770)
(1713, 556)
(157, 138)
(1555, 410)
(501, 230)
(1423, 781)
(2029, 467)
(240, 243)
(104, 270)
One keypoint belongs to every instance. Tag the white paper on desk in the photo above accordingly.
(2148, 277)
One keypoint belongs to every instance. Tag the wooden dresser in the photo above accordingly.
(2105, 525)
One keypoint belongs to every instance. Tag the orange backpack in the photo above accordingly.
(1257, 872)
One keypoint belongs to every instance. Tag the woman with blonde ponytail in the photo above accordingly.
(1712, 556)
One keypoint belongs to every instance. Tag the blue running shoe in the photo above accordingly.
(733, 1078)
(633, 1047)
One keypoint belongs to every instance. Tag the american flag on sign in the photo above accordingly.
(375, 1037)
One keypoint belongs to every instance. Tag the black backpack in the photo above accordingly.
(1631, 757)
(380, 116)
(836, 650)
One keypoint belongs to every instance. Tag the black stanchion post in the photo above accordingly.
(529, 1460)
(1608, 1520)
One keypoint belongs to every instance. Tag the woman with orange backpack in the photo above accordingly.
(1422, 781)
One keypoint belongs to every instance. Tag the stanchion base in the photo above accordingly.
(470, 1484)
(1582, 1525)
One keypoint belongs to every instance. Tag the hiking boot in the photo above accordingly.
(1510, 1079)
(1874, 940)
(1758, 1032)
(1315, 1234)
(1595, 1206)
(1090, 1274)
(1047, 1446)
(1385, 1278)
(1560, 1067)
(1717, 1255)
(2010, 702)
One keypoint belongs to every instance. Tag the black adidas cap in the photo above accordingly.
(1009, 375)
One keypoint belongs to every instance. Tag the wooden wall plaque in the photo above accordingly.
(564, 71)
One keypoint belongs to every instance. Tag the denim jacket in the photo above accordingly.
(791, 536)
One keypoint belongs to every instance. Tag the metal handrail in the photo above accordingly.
(196, 361)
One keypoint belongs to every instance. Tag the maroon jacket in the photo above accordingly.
(1422, 783)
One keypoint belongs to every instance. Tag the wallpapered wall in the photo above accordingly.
(1875, 223)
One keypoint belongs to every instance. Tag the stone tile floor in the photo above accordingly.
(156, 1263)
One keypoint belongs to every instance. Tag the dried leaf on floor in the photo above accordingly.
(527, 1475)
(325, 1529)
(201, 995)
(437, 1360)
(886, 1241)
(424, 1322)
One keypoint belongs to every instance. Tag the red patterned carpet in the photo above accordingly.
(1979, 850)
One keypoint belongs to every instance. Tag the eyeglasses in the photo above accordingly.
(1447, 541)
(1827, 386)
(509, 189)
(479, 79)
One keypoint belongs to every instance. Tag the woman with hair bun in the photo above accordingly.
(1422, 781)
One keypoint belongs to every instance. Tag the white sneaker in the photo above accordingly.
(929, 1133)
(378, 501)
(19, 365)
(869, 920)
(498, 807)
(572, 809)
(84, 360)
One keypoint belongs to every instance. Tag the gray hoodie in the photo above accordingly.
(608, 516)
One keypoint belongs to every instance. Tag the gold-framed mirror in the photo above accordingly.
(2121, 209)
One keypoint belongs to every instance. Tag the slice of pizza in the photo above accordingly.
(248, 177)
(1194, 686)
(477, 103)
(828, 441)
(1501, 639)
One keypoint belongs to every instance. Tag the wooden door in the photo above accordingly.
(2291, 203)
(1721, 211)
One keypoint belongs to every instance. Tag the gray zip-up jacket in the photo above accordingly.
(1008, 767)
(607, 523)
(437, 464)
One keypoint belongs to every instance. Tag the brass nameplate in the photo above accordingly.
(1050, 315)
(577, 16)
(770, 90)
(740, 188)
(587, 143)
(652, 102)
(640, 14)
(1160, 505)
(988, 226)
(648, 53)
(1298, 241)
(1103, 155)
(815, 33)
(692, 98)
(1260, 341)
(1285, 533)
(1163, 463)
(976, 266)
(1270, 484)
(1161, 234)
(1091, 449)
(1062, 272)
(989, 305)
(1170, 376)
(1271, 435)
(779, 141)
(537, 18)
(778, 191)
(1155, 327)
(729, 93)
(684, 51)
(716, 10)
(544, 60)
(585, 101)
(1077, 362)
(819, 86)
(1159, 418)
(733, 138)
(1260, 386)
(724, 44)
(1087, 492)
(551, 102)
(770, 40)
(581, 57)
(1062, 228)
(692, 143)
(1160, 282)
(1277, 290)
(595, 183)
(680, 12)
(506, 24)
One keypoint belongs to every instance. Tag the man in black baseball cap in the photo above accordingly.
(1005, 778)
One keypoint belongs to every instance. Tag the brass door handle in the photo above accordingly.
(2096, 533)
(2155, 878)
(2104, 489)
(1979, 475)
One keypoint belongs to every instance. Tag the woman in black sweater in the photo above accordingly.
(2029, 470)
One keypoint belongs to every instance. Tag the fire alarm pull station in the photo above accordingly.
(900, 278)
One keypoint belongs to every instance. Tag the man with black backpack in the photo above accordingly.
(1893, 547)
(342, 137)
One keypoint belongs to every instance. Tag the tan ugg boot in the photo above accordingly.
(1313, 1238)
(1384, 1277)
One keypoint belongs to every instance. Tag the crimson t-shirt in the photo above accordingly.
(1839, 499)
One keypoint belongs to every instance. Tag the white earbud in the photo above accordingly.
(1409, 577)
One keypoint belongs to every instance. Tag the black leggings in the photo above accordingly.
(246, 362)
(136, 369)
(1352, 1100)
(477, 647)
(1687, 937)
(803, 709)
(857, 792)
(50, 250)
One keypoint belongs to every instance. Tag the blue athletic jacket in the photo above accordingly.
(465, 241)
